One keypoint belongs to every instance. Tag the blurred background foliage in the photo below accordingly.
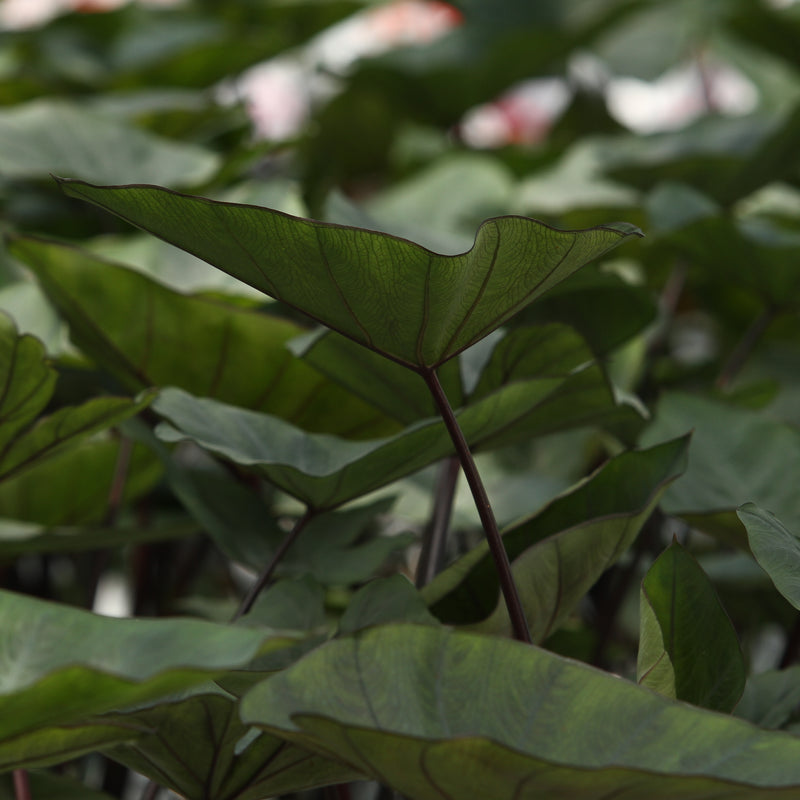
(421, 119)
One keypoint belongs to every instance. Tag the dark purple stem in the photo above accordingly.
(266, 575)
(509, 588)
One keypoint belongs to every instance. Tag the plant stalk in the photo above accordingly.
(516, 613)
(435, 537)
(266, 575)
(742, 351)
(22, 786)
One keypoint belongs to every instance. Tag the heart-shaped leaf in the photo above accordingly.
(434, 713)
(398, 298)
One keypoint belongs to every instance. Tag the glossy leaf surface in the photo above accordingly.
(391, 701)
(688, 648)
(415, 306)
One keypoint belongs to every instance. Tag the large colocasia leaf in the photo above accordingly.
(688, 646)
(398, 298)
(436, 713)
(62, 666)
(558, 553)
(138, 330)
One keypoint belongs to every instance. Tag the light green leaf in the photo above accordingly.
(688, 647)
(73, 486)
(776, 549)
(432, 712)
(415, 306)
(47, 137)
(759, 463)
(51, 433)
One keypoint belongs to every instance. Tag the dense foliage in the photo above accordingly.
(293, 414)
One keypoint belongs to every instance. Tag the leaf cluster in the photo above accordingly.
(347, 413)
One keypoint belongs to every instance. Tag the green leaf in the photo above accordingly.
(385, 600)
(27, 379)
(56, 137)
(61, 666)
(775, 548)
(558, 553)
(297, 604)
(771, 698)
(54, 787)
(51, 433)
(138, 329)
(759, 463)
(73, 486)
(395, 390)
(324, 471)
(415, 306)
(23, 538)
(432, 712)
(199, 748)
(688, 647)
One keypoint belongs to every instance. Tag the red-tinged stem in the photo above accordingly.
(22, 786)
(509, 588)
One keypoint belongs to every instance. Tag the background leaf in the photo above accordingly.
(776, 549)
